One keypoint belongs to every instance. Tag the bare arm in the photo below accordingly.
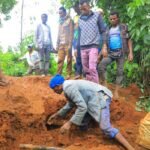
(102, 29)
(130, 56)
(63, 111)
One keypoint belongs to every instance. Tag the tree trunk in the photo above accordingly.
(21, 32)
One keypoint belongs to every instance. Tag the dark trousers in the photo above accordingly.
(104, 122)
(78, 65)
(103, 66)
(44, 54)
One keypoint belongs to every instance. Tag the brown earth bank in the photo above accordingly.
(26, 103)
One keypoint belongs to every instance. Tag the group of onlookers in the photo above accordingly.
(94, 44)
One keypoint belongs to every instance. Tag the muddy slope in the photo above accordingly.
(26, 102)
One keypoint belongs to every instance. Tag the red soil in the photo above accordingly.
(26, 102)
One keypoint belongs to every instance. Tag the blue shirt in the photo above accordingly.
(115, 41)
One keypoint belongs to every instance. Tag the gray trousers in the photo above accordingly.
(44, 54)
(103, 66)
(32, 69)
(104, 122)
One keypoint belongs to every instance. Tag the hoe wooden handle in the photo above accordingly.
(36, 147)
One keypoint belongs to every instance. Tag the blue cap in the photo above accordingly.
(56, 80)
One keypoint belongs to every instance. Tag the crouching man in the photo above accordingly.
(89, 98)
(33, 60)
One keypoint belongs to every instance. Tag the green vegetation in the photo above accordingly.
(6, 6)
(143, 104)
(11, 65)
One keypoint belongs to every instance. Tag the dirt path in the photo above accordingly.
(27, 101)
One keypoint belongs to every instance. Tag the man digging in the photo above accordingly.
(91, 100)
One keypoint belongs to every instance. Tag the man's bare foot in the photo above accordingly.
(116, 94)
(121, 139)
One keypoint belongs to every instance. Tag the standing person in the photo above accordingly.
(89, 99)
(91, 25)
(33, 60)
(44, 44)
(118, 44)
(64, 41)
(76, 44)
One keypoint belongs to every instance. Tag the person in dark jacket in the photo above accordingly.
(118, 45)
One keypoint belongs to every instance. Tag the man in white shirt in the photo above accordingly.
(33, 60)
(44, 44)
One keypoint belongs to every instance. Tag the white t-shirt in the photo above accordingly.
(46, 34)
(31, 58)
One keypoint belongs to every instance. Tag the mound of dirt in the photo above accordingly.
(26, 103)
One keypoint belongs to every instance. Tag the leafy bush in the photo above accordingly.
(111, 72)
(143, 104)
(28, 39)
(130, 73)
(6, 6)
(53, 65)
(10, 64)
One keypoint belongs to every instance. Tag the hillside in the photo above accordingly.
(26, 102)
